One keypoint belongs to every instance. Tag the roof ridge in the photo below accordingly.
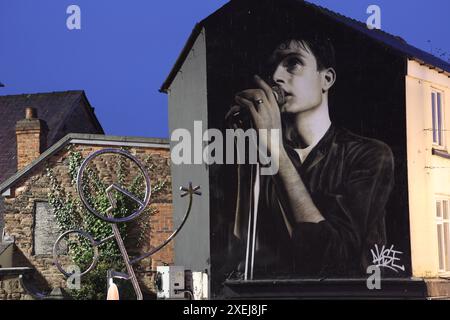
(392, 41)
(359, 23)
(42, 93)
(352, 19)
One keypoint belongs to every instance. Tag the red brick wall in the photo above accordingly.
(28, 147)
(161, 228)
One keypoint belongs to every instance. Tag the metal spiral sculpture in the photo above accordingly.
(108, 217)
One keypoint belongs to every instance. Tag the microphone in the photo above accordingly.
(279, 95)
(239, 118)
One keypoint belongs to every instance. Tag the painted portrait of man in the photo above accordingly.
(320, 214)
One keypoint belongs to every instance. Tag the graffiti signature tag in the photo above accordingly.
(386, 257)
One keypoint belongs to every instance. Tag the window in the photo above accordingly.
(443, 233)
(438, 118)
(46, 230)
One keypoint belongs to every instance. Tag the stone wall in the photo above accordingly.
(10, 289)
(1, 217)
(19, 217)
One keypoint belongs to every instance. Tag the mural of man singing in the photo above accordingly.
(324, 209)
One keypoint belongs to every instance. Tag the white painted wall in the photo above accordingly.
(428, 175)
(188, 103)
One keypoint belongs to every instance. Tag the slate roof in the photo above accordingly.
(53, 108)
(384, 38)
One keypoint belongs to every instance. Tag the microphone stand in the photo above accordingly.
(252, 221)
(255, 187)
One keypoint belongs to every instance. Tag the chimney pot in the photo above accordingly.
(30, 113)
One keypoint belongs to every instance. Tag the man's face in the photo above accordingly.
(296, 73)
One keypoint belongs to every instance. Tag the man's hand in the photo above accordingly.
(265, 114)
(264, 111)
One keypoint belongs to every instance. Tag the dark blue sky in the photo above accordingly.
(125, 49)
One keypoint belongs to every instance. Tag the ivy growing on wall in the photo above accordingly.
(71, 214)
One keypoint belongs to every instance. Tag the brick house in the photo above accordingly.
(60, 113)
(30, 221)
(30, 229)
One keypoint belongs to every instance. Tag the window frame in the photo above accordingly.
(438, 118)
(443, 245)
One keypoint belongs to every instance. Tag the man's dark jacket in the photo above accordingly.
(349, 178)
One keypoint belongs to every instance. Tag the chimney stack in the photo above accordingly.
(31, 134)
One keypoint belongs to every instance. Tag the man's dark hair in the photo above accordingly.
(323, 50)
(321, 47)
